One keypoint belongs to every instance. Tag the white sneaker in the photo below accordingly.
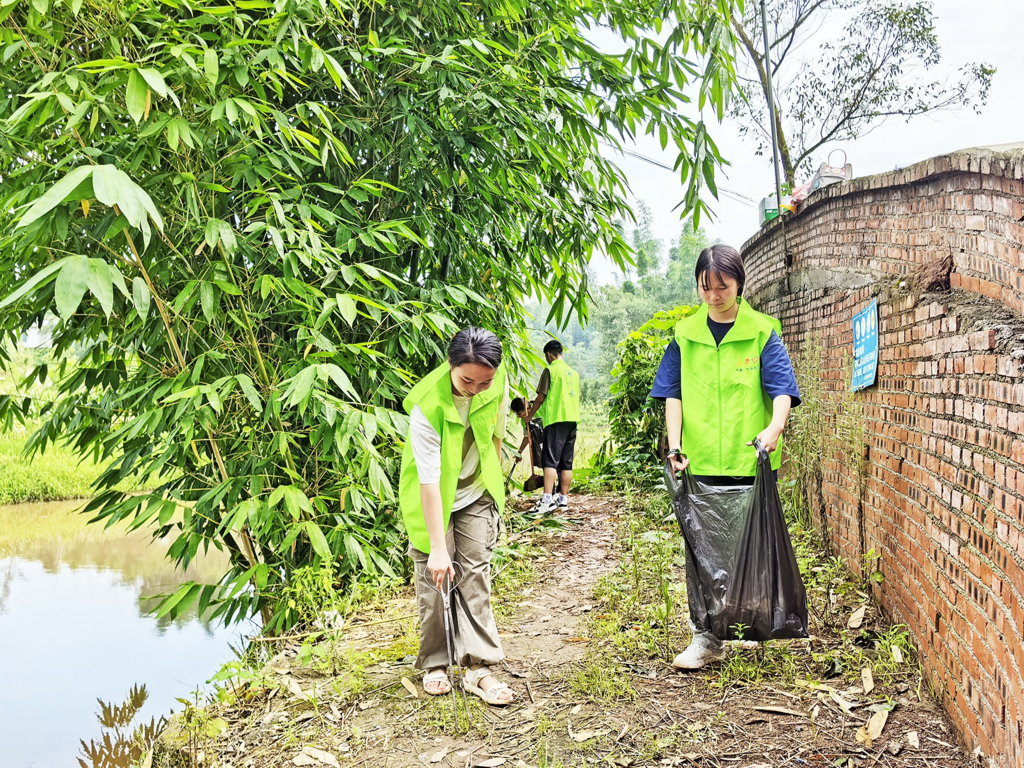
(545, 506)
(703, 650)
(561, 502)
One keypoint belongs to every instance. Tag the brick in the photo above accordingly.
(943, 494)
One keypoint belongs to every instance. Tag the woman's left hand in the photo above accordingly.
(769, 438)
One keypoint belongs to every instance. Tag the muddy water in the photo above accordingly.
(74, 628)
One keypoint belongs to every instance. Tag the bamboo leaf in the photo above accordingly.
(38, 280)
(56, 195)
(141, 297)
(212, 67)
(101, 284)
(72, 283)
(136, 96)
(155, 81)
(347, 307)
(249, 390)
(318, 540)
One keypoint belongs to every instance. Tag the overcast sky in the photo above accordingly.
(986, 31)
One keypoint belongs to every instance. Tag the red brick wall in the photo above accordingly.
(941, 498)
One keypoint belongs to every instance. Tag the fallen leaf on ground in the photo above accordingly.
(294, 688)
(410, 687)
(897, 654)
(576, 710)
(494, 762)
(857, 617)
(588, 735)
(844, 705)
(437, 757)
(780, 711)
(304, 760)
(873, 728)
(867, 679)
(324, 757)
(912, 739)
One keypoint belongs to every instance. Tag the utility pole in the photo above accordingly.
(775, 134)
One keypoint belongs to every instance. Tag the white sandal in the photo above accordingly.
(437, 675)
(471, 682)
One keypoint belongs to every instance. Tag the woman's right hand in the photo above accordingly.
(679, 463)
(438, 565)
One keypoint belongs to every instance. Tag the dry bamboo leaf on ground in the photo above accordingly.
(857, 617)
(588, 735)
(913, 740)
(410, 687)
(326, 758)
(437, 757)
(867, 680)
(780, 711)
(844, 705)
(871, 730)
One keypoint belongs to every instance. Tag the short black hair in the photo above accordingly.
(721, 260)
(554, 347)
(517, 404)
(474, 345)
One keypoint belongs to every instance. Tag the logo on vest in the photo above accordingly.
(749, 365)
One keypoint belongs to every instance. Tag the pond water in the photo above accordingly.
(74, 628)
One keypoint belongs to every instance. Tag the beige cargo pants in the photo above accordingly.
(472, 534)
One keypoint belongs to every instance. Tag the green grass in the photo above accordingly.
(591, 432)
(644, 600)
(54, 475)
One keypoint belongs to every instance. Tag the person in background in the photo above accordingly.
(451, 493)
(558, 405)
(533, 434)
(726, 379)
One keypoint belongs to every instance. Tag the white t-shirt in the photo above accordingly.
(426, 449)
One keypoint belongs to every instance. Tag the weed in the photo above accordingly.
(600, 678)
(772, 661)
(643, 596)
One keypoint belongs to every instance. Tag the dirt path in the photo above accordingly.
(589, 666)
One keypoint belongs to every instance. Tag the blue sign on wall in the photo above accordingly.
(865, 347)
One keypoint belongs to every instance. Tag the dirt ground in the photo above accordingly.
(584, 694)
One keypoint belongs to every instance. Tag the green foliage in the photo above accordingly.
(632, 452)
(646, 247)
(259, 222)
(618, 310)
(874, 69)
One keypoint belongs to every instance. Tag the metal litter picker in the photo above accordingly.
(448, 587)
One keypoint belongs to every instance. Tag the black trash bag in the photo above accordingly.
(743, 581)
(537, 442)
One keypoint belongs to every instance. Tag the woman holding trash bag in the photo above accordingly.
(451, 493)
(726, 379)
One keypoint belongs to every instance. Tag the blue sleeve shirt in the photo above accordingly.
(777, 375)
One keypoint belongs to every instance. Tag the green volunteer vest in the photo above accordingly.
(562, 402)
(433, 394)
(724, 405)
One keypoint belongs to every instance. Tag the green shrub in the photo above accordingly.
(632, 454)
